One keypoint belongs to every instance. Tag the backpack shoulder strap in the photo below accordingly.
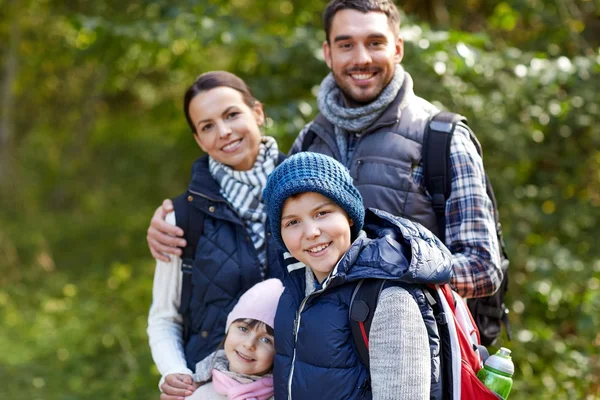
(436, 162)
(362, 309)
(308, 139)
(191, 221)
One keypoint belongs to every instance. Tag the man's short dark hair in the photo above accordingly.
(386, 7)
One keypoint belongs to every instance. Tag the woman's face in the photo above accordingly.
(226, 127)
(249, 350)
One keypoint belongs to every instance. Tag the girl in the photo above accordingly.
(234, 250)
(242, 369)
(317, 215)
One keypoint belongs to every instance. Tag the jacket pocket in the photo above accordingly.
(471, 388)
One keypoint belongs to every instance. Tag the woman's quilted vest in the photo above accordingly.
(225, 266)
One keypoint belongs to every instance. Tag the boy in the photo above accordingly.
(316, 214)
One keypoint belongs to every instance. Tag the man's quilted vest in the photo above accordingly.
(385, 156)
(225, 266)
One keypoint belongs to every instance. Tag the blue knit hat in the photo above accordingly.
(312, 172)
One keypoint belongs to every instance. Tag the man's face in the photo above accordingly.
(362, 53)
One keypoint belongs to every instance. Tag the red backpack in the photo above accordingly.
(459, 338)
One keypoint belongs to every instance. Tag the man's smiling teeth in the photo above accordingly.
(318, 248)
(231, 145)
(362, 76)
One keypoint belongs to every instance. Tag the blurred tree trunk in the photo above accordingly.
(440, 12)
(9, 75)
(434, 11)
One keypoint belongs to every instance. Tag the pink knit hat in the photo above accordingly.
(259, 303)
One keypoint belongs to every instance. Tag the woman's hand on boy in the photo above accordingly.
(164, 238)
(177, 387)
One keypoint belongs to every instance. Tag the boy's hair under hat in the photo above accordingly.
(312, 172)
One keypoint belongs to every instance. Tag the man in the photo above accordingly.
(371, 121)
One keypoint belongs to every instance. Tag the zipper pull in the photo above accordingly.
(295, 327)
(366, 385)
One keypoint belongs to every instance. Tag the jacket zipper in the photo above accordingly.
(296, 329)
(297, 324)
(209, 198)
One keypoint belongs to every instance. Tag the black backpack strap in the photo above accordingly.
(308, 139)
(362, 309)
(191, 221)
(436, 163)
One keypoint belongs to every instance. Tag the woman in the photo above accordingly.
(233, 252)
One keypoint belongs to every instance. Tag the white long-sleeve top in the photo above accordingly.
(165, 324)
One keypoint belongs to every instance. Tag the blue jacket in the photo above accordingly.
(225, 266)
(315, 353)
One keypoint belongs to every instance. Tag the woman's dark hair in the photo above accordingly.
(215, 79)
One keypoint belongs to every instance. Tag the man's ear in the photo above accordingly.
(398, 50)
(350, 221)
(327, 53)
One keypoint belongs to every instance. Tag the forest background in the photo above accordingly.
(92, 138)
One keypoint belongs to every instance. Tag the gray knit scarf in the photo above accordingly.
(218, 361)
(243, 191)
(354, 120)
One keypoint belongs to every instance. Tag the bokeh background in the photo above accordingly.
(92, 138)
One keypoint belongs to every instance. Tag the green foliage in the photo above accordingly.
(99, 140)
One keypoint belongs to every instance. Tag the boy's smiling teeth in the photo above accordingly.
(231, 145)
(316, 249)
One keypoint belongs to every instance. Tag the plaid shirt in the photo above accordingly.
(470, 226)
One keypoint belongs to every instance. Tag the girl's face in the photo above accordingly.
(316, 231)
(250, 351)
(226, 128)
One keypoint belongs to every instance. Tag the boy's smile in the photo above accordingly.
(316, 231)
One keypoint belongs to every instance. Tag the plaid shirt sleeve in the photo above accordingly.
(470, 227)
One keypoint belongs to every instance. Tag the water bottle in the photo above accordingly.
(497, 373)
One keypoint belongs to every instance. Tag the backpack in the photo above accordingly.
(460, 352)
(191, 221)
(489, 313)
